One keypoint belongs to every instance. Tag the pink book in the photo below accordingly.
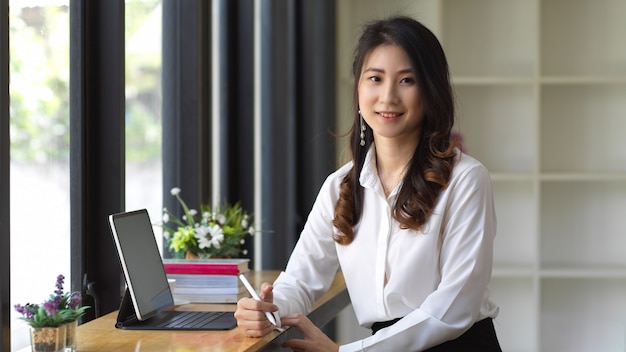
(206, 266)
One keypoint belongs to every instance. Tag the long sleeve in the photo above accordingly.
(313, 263)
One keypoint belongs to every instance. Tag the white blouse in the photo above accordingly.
(436, 279)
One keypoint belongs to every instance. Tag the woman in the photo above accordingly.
(410, 220)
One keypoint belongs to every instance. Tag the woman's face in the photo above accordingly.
(389, 97)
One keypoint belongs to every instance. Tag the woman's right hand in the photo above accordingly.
(250, 313)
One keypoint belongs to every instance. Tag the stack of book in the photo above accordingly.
(207, 280)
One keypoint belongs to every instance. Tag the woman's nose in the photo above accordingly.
(389, 94)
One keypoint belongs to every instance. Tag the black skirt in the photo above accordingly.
(481, 337)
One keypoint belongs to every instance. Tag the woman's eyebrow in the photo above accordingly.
(374, 69)
(380, 70)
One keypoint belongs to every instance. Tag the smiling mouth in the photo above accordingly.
(389, 115)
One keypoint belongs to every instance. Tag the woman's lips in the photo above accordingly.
(389, 115)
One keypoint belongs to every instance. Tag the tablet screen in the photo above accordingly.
(141, 262)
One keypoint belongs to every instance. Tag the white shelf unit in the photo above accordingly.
(541, 101)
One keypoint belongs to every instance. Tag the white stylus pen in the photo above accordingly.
(246, 283)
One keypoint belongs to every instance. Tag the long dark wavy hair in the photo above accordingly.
(431, 165)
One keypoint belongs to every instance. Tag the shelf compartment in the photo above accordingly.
(515, 243)
(583, 128)
(586, 272)
(490, 37)
(582, 224)
(583, 315)
(583, 38)
(578, 177)
(518, 307)
(498, 124)
(578, 80)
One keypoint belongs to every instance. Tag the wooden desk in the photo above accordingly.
(101, 335)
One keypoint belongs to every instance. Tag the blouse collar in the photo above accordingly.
(369, 174)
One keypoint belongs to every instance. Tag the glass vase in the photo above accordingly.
(70, 336)
(48, 339)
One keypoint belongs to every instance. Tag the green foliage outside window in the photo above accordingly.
(39, 85)
(39, 88)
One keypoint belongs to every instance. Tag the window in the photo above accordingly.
(39, 130)
(143, 108)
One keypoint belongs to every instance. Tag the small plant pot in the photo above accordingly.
(48, 339)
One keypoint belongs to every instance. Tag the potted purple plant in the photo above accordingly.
(53, 323)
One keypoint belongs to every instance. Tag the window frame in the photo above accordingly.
(5, 224)
(97, 163)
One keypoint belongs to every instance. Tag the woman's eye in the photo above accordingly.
(375, 79)
(407, 80)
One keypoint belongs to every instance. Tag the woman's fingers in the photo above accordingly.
(251, 319)
(314, 339)
(267, 294)
(258, 331)
(301, 322)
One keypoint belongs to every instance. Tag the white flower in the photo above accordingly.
(204, 242)
(175, 191)
(251, 230)
(166, 218)
(221, 219)
(201, 235)
(244, 252)
(193, 212)
(217, 236)
(202, 231)
(242, 241)
(244, 223)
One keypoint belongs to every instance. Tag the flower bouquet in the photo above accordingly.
(217, 232)
(53, 323)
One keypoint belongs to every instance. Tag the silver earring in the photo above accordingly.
(362, 129)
